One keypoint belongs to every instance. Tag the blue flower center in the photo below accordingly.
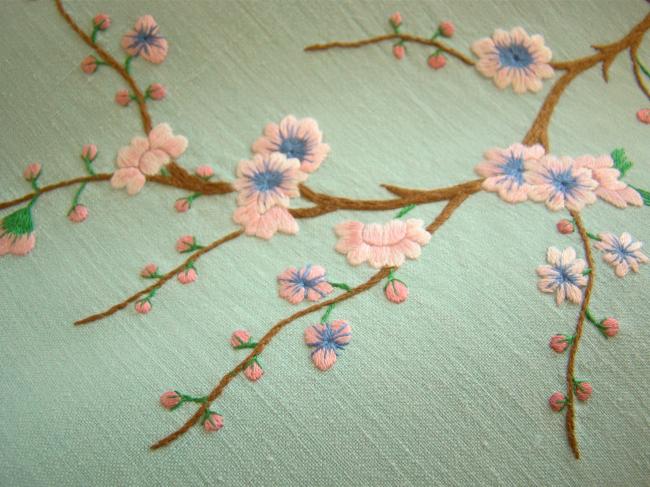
(515, 56)
(514, 168)
(564, 276)
(564, 182)
(293, 147)
(622, 252)
(268, 180)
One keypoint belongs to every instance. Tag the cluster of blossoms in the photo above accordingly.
(437, 59)
(283, 158)
(172, 400)
(582, 390)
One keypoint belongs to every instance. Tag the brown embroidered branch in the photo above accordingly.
(375, 279)
(113, 63)
(570, 409)
(387, 37)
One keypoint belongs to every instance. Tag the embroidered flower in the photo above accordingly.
(503, 170)
(144, 40)
(559, 182)
(384, 245)
(563, 276)
(16, 233)
(265, 225)
(267, 181)
(309, 282)
(327, 340)
(514, 58)
(145, 156)
(622, 253)
(643, 115)
(299, 139)
(610, 187)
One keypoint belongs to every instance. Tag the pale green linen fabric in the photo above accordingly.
(449, 388)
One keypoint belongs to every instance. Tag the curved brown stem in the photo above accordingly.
(376, 278)
(387, 37)
(570, 409)
(160, 282)
(113, 63)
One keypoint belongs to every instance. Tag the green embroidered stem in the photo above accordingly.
(192, 248)
(405, 210)
(248, 344)
(643, 68)
(75, 199)
(327, 313)
(37, 192)
(645, 195)
(89, 166)
(164, 172)
(593, 237)
(340, 285)
(586, 272)
(591, 318)
(127, 64)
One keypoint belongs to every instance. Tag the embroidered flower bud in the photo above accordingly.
(149, 271)
(143, 306)
(447, 28)
(437, 61)
(396, 291)
(583, 390)
(643, 115)
(239, 337)
(609, 327)
(78, 214)
(102, 21)
(32, 171)
(123, 98)
(16, 232)
(187, 243)
(557, 401)
(395, 20)
(204, 171)
(559, 343)
(187, 276)
(214, 422)
(157, 91)
(89, 152)
(89, 64)
(564, 226)
(182, 205)
(253, 371)
(170, 399)
(399, 51)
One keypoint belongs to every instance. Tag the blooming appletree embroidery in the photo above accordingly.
(291, 150)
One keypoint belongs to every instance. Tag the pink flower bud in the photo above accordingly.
(447, 28)
(123, 98)
(214, 422)
(89, 64)
(187, 276)
(583, 390)
(395, 19)
(253, 371)
(102, 21)
(437, 62)
(182, 205)
(610, 327)
(78, 214)
(149, 270)
(32, 171)
(157, 91)
(557, 401)
(396, 291)
(564, 226)
(89, 151)
(204, 171)
(643, 115)
(143, 306)
(185, 243)
(170, 399)
(559, 343)
(399, 51)
(239, 337)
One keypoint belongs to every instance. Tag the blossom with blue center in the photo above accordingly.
(309, 282)
(145, 41)
(514, 58)
(622, 253)
(327, 341)
(564, 275)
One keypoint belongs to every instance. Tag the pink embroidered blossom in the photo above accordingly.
(437, 61)
(609, 327)
(563, 276)
(447, 28)
(157, 91)
(610, 187)
(204, 172)
(268, 181)
(145, 156)
(89, 64)
(309, 282)
(395, 20)
(149, 271)
(32, 171)
(239, 338)
(622, 253)
(102, 21)
(186, 243)
(560, 183)
(89, 152)
(265, 225)
(564, 226)
(78, 214)
(396, 291)
(386, 245)
(187, 276)
(514, 58)
(143, 306)
(559, 343)
(643, 115)
(296, 139)
(182, 205)
(145, 40)
(170, 399)
(557, 401)
(17, 232)
(253, 371)
(583, 390)
(327, 341)
(214, 422)
(123, 98)
(399, 51)
(503, 170)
